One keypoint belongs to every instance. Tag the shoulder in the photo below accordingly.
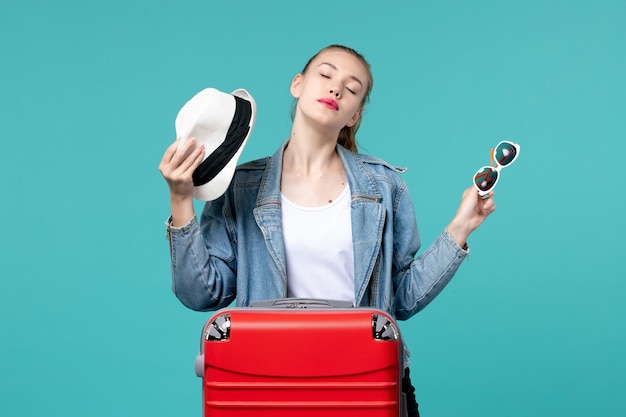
(245, 182)
(376, 168)
(374, 177)
(374, 162)
(251, 170)
(256, 165)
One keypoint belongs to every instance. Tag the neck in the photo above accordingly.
(309, 151)
(307, 159)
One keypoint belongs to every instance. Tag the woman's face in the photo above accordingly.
(332, 89)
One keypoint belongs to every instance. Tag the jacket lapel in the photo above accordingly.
(267, 213)
(368, 219)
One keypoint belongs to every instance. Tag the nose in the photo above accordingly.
(334, 91)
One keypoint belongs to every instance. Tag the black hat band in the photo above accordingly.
(236, 135)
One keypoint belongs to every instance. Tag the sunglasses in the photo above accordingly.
(503, 155)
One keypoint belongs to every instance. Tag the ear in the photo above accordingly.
(354, 118)
(296, 83)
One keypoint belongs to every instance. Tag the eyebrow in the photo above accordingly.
(335, 68)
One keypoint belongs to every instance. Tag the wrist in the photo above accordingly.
(459, 232)
(181, 201)
(182, 210)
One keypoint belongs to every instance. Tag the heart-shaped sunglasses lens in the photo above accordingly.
(505, 153)
(486, 178)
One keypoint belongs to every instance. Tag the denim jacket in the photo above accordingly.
(237, 251)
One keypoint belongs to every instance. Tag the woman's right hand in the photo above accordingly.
(177, 167)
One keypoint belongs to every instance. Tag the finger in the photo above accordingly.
(170, 151)
(199, 157)
(187, 149)
(177, 154)
(489, 206)
(193, 160)
(183, 145)
(197, 161)
(177, 159)
(491, 201)
(165, 166)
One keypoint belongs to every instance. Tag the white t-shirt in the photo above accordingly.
(318, 248)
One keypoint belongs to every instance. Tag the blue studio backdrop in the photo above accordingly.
(532, 325)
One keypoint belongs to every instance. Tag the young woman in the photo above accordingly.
(316, 219)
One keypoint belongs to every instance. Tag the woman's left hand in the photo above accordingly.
(472, 211)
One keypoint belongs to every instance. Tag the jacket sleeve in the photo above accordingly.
(203, 261)
(417, 281)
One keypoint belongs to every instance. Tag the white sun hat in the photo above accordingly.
(223, 123)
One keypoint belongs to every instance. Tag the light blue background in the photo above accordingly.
(532, 325)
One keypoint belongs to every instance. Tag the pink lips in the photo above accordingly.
(329, 102)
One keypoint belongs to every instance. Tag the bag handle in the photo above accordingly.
(299, 303)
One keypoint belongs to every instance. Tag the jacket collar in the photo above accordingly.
(362, 183)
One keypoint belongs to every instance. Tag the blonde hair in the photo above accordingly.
(347, 135)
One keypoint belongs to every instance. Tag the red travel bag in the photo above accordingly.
(308, 358)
